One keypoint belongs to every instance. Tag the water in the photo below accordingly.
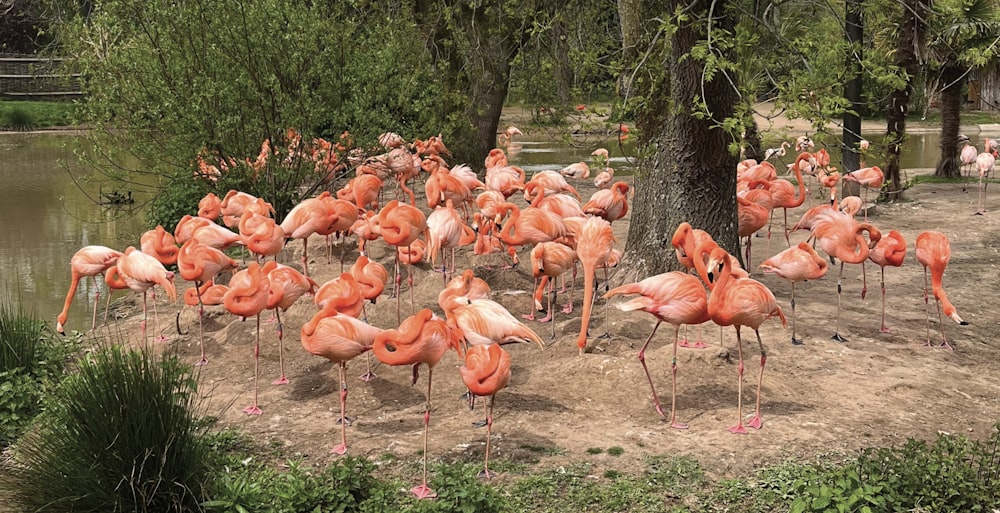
(47, 216)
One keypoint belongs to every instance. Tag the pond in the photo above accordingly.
(49, 212)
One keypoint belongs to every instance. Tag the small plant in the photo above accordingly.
(17, 118)
(119, 435)
(615, 451)
(595, 450)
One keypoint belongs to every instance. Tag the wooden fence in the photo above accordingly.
(34, 77)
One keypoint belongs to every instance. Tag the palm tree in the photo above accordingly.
(962, 35)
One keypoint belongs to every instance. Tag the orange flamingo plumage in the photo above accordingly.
(210, 207)
(934, 252)
(400, 225)
(593, 248)
(160, 244)
(285, 286)
(88, 261)
(486, 372)
(785, 196)
(186, 227)
(422, 338)
(200, 264)
(549, 260)
(141, 272)
(677, 298)
(261, 234)
(528, 226)
(465, 285)
(247, 296)
(795, 264)
(338, 338)
(738, 303)
(610, 204)
(890, 250)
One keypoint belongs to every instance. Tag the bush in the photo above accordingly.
(30, 362)
(119, 435)
(17, 118)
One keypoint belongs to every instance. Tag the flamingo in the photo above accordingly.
(795, 264)
(551, 183)
(261, 234)
(528, 226)
(343, 293)
(338, 338)
(306, 218)
(890, 250)
(577, 170)
(751, 217)
(160, 244)
(561, 205)
(210, 207)
(968, 155)
(247, 296)
(421, 339)
(480, 322)
(603, 179)
(200, 264)
(686, 242)
(114, 281)
(594, 242)
(677, 298)
(285, 286)
(88, 261)
(343, 215)
(186, 227)
(141, 272)
(465, 285)
(839, 235)
(778, 152)
(934, 251)
(739, 303)
(506, 138)
(867, 177)
(610, 204)
(400, 225)
(232, 207)
(486, 372)
(549, 260)
(783, 193)
(985, 162)
(445, 230)
(216, 236)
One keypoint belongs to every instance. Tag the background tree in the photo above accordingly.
(963, 36)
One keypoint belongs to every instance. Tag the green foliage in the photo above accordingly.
(36, 114)
(951, 474)
(17, 118)
(31, 361)
(459, 491)
(170, 81)
(119, 435)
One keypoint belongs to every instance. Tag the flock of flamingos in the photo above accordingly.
(463, 211)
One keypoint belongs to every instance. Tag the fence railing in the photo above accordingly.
(32, 77)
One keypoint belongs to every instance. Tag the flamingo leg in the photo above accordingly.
(486, 474)
(145, 316)
(201, 326)
(396, 291)
(642, 360)
(305, 255)
(788, 242)
(979, 205)
(795, 341)
(568, 307)
(673, 385)
(927, 313)
(836, 334)
(282, 380)
(369, 375)
(883, 329)
(341, 448)
(549, 315)
(423, 491)
(864, 280)
(531, 303)
(607, 287)
(756, 422)
(107, 306)
(160, 337)
(738, 428)
(97, 299)
(409, 283)
(254, 409)
(944, 338)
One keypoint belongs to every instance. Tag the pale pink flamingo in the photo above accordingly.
(88, 261)
(795, 264)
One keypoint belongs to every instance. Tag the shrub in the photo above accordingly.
(30, 362)
(119, 435)
(17, 118)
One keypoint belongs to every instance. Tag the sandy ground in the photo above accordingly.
(819, 398)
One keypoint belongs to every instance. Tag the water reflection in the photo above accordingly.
(47, 217)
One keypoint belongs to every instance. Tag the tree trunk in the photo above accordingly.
(910, 36)
(632, 14)
(690, 174)
(952, 78)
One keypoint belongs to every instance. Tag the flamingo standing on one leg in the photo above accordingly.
(421, 338)
(795, 264)
(594, 242)
(934, 251)
(87, 261)
(200, 263)
(141, 272)
(247, 296)
(677, 298)
(338, 338)
(309, 216)
(785, 195)
(400, 225)
(286, 285)
(486, 372)
(890, 250)
(985, 162)
(867, 177)
(739, 303)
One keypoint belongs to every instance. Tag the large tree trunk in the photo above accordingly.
(632, 15)
(690, 174)
(910, 37)
(951, 112)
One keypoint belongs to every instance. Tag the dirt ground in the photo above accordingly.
(819, 398)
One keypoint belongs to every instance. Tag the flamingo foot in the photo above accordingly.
(529, 317)
(797, 341)
(678, 425)
(699, 345)
(160, 338)
(683, 343)
(367, 377)
(479, 423)
(738, 429)
(203, 361)
(253, 410)
(272, 320)
(486, 474)
(547, 318)
(947, 346)
(884, 329)
(280, 381)
(755, 422)
(340, 449)
(423, 492)
(567, 308)
(838, 338)
(659, 409)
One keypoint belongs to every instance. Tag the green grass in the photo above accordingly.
(29, 115)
